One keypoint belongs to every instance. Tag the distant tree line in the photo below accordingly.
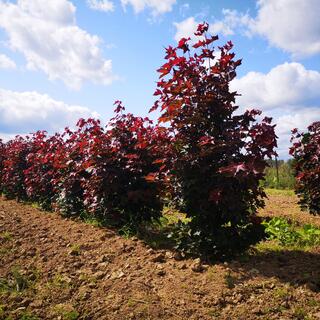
(281, 178)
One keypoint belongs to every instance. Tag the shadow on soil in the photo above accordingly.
(295, 267)
(223, 246)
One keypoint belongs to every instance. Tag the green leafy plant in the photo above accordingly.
(127, 231)
(287, 234)
(190, 241)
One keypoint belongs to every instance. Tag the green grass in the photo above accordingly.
(16, 281)
(267, 246)
(59, 281)
(300, 313)
(229, 280)
(278, 192)
(28, 316)
(91, 220)
(5, 236)
(66, 312)
(75, 249)
(70, 315)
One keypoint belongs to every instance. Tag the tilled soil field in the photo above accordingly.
(55, 268)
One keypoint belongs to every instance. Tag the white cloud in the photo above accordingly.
(6, 62)
(185, 28)
(22, 112)
(232, 20)
(292, 25)
(101, 5)
(288, 84)
(226, 26)
(45, 32)
(157, 7)
(289, 93)
(6, 137)
(300, 119)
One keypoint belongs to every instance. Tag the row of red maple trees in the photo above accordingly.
(205, 159)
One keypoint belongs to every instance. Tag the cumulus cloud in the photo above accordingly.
(101, 5)
(185, 28)
(226, 26)
(289, 93)
(46, 33)
(232, 20)
(6, 62)
(23, 112)
(292, 25)
(6, 137)
(157, 7)
(299, 119)
(288, 84)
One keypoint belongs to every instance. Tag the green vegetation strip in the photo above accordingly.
(289, 234)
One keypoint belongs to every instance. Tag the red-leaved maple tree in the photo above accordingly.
(218, 156)
(2, 155)
(41, 168)
(306, 153)
(14, 164)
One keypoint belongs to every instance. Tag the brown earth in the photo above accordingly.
(285, 205)
(55, 268)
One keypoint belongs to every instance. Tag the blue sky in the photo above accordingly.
(65, 59)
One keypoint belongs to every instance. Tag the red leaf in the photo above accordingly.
(183, 44)
(199, 44)
(202, 28)
(233, 169)
(151, 177)
(215, 195)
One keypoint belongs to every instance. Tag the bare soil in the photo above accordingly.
(56, 268)
(285, 205)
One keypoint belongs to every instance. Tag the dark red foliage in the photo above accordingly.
(119, 163)
(218, 157)
(70, 173)
(40, 172)
(306, 153)
(14, 164)
(114, 172)
(2, 157)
